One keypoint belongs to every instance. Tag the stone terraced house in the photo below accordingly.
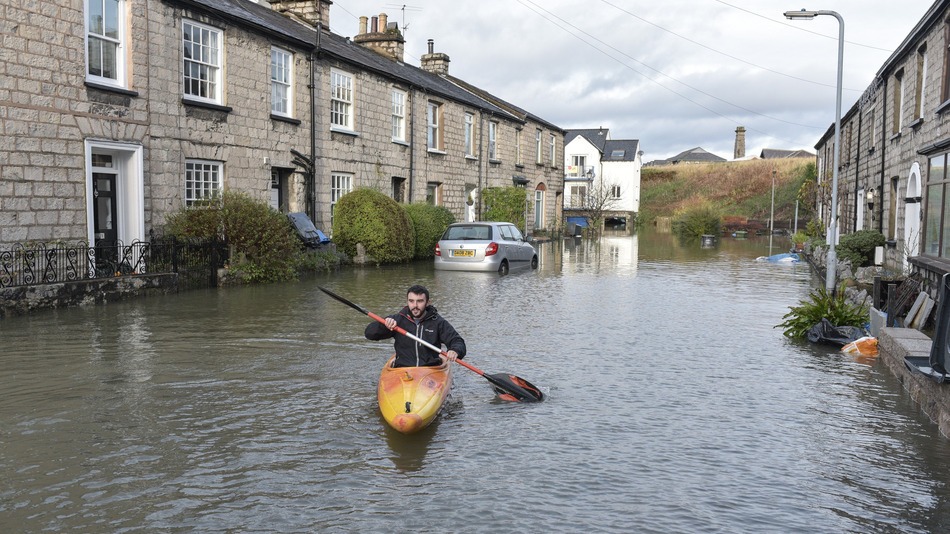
(893, 170)
(115, 113)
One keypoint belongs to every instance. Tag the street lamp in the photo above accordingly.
(772, 214)
(831, 274)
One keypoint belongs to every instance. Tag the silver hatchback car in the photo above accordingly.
(484, 246)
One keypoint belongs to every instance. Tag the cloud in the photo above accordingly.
(675, 75)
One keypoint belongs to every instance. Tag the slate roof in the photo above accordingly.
(695, 155)
(595, 136)
(629, 148)
(775, 153)
(262, 18)
(509, 107)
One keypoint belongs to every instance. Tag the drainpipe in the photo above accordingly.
(880, 208)
(412, 143)
(858, 202)
(311, 185)
(478, 181)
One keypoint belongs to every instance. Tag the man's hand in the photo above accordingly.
(390, 323)
(452, 355)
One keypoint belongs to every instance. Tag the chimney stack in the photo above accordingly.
(383, 37)
(739, 151)
(308, 11)
(436, 63)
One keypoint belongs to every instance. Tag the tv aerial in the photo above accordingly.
(403, 8)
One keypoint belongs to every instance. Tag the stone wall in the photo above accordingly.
(22, 300)
(894, 344)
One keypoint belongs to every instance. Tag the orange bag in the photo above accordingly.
(865, 346)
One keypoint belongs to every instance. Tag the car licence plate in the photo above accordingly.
(464, 253)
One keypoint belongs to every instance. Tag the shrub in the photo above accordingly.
(259, 235)
(858, 247)
(504, 204)
(822, 304)
(428, 223)
(378, 222)
(698, 220)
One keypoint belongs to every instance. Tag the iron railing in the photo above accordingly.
(35, 263)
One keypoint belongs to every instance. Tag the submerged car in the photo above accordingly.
(484, 246)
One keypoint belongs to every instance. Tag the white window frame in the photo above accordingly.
(519, 154)
(434, 193)
(538, 208)
(203, 180)
(209, 65)
(470, 134)
(615, 192)
(898, 124)
(341, 100)
(341, 183)
(552, 142)
(106, 39)
(434, 126)
(399, 115)
(282, 82)
(493, 141)
(921, 85)
(537, 142)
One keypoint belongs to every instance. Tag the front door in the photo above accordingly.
(105, 218)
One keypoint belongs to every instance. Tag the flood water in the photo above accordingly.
(673, 405)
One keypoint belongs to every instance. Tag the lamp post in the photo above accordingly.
(772, 214)
(831, 269)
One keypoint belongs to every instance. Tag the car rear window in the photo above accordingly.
(468, 232)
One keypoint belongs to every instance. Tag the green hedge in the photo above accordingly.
(858, 247)
(378, 222)
(429, 223)
(505, 204)
(267, 248)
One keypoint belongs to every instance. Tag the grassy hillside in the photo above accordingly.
(736, 189)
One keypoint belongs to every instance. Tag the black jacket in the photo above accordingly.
(432, 328)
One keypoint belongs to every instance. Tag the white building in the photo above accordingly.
(601, 171)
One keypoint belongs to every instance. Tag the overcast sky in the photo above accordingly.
(675, 74)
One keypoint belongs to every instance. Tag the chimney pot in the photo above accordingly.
(431, 46)
(383, 21)
(374, 24)
(363, 21)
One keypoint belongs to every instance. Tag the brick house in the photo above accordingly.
(116, 113)
(894, 145)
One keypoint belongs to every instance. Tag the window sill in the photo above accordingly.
(400, 142)
(519, 165)
(894, 137)
(206, 105)
(344, 132)
(469, 157)
(282, 118)
(916, 124)
(942, 107)
(111, 89)
(494, 161)
(436, 151)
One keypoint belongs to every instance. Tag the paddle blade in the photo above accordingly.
(514, 388)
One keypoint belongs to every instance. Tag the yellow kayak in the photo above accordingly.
(411, 397)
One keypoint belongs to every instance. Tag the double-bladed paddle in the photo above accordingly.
(507, 387)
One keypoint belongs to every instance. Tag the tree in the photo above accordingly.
(597, 200)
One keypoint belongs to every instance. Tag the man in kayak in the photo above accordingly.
(422, 320)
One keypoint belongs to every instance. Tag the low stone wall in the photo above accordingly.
(934, 399)
(25, 299)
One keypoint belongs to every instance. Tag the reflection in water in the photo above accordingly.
(673, 405)
(409, 451)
